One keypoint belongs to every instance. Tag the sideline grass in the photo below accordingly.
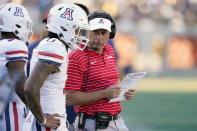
(168, 84)
(161, 111)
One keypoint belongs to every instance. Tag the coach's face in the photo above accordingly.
(98, 39)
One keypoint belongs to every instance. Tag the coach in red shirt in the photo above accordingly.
(93, 79)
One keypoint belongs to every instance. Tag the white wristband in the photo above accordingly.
(44, 122)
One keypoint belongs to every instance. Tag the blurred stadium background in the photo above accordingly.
(156, 36)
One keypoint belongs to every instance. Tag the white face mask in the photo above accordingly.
(81, 38)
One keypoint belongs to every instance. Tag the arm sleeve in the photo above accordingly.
(52, 53)
(16, 50)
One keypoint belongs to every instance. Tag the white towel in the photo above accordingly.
(28, 125)
(30, 121)
(62, 126)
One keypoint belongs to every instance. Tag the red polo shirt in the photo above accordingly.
(103, 73)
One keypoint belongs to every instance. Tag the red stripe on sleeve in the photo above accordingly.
(16, 52)
(51, 55)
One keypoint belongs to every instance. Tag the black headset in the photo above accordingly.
(103, 14)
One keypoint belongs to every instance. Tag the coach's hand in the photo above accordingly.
(52, 121)
(112, 92)
(130, 93)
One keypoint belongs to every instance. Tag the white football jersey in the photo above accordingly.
(12, 50)
(54, 52)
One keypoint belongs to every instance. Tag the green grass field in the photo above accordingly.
(154, 110)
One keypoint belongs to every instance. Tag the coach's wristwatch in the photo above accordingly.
(44, 122)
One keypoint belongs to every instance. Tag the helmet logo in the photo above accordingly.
(19, 12)
(101, 21)
(68, 14)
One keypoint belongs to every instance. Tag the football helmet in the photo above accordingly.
(70, 23)
(15, 18)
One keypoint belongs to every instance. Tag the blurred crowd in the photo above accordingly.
(157, 36)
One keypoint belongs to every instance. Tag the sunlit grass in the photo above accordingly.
(163, 104)
(161, 112)
(168, 84)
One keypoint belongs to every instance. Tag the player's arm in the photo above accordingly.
(33, 84)
(16, 54)
(50, 56)
(82, 98)
(16, 68)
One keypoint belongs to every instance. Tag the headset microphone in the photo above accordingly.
(92, 48)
